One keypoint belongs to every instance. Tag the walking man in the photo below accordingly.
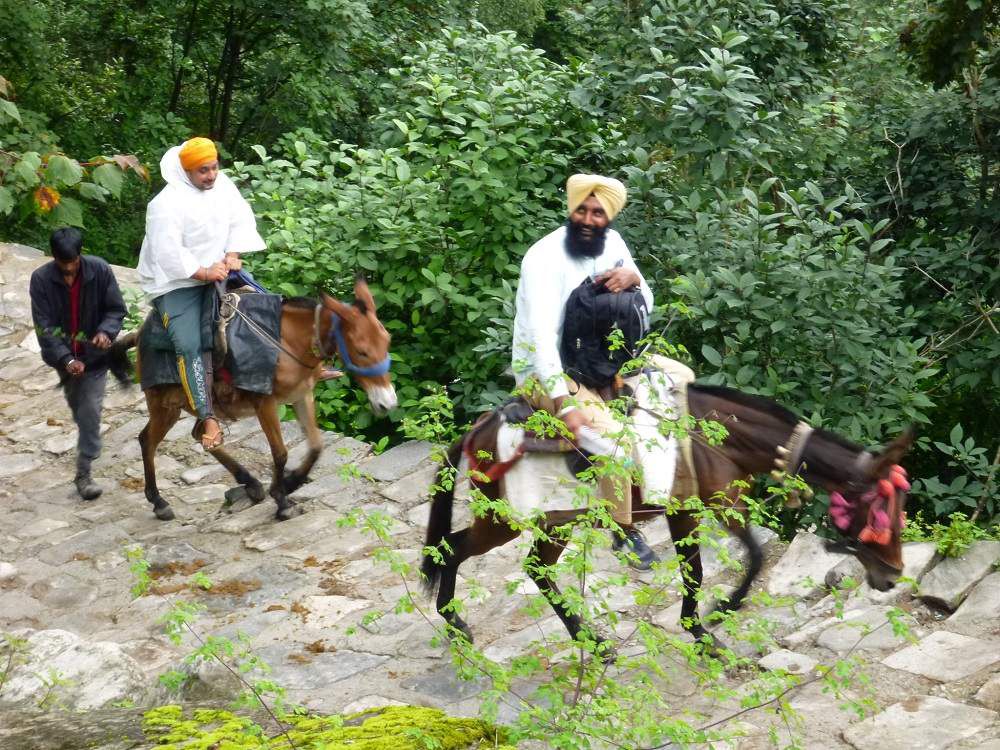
(196, 229)
(78, 310)
(551, 269)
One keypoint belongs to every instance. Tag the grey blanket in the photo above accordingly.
(250, 361)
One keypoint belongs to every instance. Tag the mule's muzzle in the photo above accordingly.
(382, 399)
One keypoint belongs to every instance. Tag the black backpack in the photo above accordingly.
(591, 314)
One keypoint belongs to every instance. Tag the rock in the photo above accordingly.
(7, 571)
(788, 661)
(206, 493)
(335, 491)
(729, 547)
(18, 463)
(64, 670)
(399, 461)
(920, 722)
(89, 542)
(41, 527)
(518, 643)
(414, 489)
(945, 656)
(318, 523)
(367, 703)
(339, 450)
(865, 628)
(802, 569)
(180, 430)
(950, 580)
(30, 342)
(326, 611)
(443, 685)
(917, 560)
(989, 693)
(979, 614)
(848, 569)
(200, 473)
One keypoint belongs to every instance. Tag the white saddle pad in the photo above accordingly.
(541, 482)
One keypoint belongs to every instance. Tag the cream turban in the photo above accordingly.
(196, 152)
(609, 192)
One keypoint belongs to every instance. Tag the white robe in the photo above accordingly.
(548, 277)
(188, 228)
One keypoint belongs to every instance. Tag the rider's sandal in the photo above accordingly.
(213, 442)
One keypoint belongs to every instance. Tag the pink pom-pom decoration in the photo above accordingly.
(838, 501)
(881, 520)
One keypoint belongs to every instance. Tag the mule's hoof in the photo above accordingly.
(164, 512)
(289, 511)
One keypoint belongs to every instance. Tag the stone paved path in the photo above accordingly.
(298, 588)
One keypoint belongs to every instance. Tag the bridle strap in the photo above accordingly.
(337, 337)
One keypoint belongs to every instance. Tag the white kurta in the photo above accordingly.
(548, 277)
(188, 228)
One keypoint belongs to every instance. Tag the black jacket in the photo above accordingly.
(102, 310)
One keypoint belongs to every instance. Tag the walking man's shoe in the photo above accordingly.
(87, 487)
(633, 544)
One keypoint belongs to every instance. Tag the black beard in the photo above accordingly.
(579, 247)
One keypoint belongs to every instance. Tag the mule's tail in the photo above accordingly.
(439, 522)
(118, 360)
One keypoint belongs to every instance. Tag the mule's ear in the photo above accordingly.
(344, 311)
(363, 294)
(892, 454)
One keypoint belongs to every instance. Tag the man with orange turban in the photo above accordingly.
(585, 246)
(196, 229)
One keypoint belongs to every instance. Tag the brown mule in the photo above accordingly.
(760, 438)
(311, 332)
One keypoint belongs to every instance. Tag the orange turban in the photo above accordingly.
(197, 152)
(610, 193)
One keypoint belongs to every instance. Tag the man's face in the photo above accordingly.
(589, 218)
(69, 269)
(204, 176)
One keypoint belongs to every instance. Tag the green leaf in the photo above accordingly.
(10, 110)
(956, 435)
(6, 200)
(26, 170)
(109, 177)
(718, 165)
(92, 192)
(61, 170)
(711, 355)
(69, 211)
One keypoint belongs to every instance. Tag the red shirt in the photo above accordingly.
(74, 316)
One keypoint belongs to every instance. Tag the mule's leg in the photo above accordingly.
(267, 415)
(161, 419)
(544, 554)
(305, 413)
(477, 539)
(255, 490)
(742, 532)
(682, 530)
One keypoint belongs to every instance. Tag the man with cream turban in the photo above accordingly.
(551, 269)
(196, 229)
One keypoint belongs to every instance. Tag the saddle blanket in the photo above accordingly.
(250, 361)
(542, 482)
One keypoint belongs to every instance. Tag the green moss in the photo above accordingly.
(389, 728)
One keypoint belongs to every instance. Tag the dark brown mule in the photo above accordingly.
(311, 332)
(760, 432)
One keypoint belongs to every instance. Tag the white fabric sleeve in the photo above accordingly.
(243, 236)
(628, 262)
(541, 311)
(168, 255)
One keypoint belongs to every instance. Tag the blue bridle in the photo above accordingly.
(379, 368)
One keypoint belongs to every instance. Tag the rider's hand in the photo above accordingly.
(618, 279)
(233, 262)
(75, 368)
(101, 341)
(574, 421)
(216, 272)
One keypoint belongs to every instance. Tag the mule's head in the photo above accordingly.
(363, 345)
(869, 512)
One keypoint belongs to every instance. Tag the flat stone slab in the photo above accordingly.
(200, 473)
(989, 693)
(413, 489)
(41, 527)
(920, 722)
(979, 614)
(398, 462)
(788, 661)
(864, 629)
(731, 548)
(952, 579)
(802, 570)
(18, 463)
(946, 656)
(315, 524)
